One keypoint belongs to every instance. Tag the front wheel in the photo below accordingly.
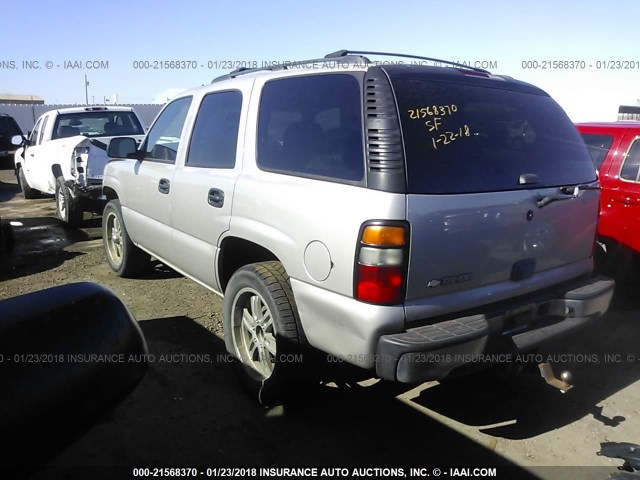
(262, 330)
(123, 256)
(68, 209)
(28, 192)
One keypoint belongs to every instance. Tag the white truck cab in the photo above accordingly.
(65, 154)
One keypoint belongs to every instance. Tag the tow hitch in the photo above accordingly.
(561, 383)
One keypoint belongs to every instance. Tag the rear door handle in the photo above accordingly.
(216, 197)
(164, 185)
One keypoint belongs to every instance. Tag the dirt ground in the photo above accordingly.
(189, 413)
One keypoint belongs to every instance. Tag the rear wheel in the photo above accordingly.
(27, 191)
(123, 256)
(6, 236)
(618, 261)
(68, 209)
(262, 330)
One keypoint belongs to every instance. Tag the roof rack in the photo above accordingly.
(287, 65)
(359, 53)
(355, 56)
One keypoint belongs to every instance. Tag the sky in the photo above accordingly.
(130, 50)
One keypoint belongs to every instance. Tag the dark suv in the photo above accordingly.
(8, 128)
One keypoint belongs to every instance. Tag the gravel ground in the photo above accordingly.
(193, 413)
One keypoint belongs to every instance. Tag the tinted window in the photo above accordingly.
(164, 137)
(312, 126)
(631, 165)
(463, 138)
(8, 127)
(215, 134)
(598, 146)
(102, 123)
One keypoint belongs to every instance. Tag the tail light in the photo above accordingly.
(381, 263)
(79, 160)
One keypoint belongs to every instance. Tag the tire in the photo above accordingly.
(68, 209)
(28, 192)
(6, 237)
(618, 261)
(124, 258)
(263, 331)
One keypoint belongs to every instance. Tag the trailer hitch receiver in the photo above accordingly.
(562, 383)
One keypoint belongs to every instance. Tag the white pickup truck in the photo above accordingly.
(65, 155)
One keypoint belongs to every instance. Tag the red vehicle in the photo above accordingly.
(615, 150)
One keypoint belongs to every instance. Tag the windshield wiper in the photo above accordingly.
(566, 193)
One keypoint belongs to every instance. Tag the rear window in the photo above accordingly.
(9, 127)
(463, 138)
(96, 124)
(598, 146)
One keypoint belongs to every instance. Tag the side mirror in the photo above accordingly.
(122, 147)
(18, 140)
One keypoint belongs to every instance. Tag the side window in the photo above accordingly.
(164, 137)
(631, 165)
(33, 138)
(215, 133)
(312, 126)
(598, 146)
(44, 126)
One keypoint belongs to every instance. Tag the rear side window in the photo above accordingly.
(312, 126)
(215, 134)
(598, 146)
(631, 166)
(463, 138)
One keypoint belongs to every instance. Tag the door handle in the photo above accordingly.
(163, 186)
(215, 198)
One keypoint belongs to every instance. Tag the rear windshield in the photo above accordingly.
(96, 124)
(598, 146)
(463, 138)
(9, 127)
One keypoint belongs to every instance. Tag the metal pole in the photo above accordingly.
(86, 90)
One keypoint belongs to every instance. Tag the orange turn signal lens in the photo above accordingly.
(382, 235)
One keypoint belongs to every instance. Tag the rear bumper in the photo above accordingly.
(431, 352)
(91, 191)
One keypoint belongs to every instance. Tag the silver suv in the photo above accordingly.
(387, 215)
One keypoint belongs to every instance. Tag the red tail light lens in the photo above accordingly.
(381, 260)
(379, 284)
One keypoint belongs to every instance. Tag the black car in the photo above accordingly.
(8, 128)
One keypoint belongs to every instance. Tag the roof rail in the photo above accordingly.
(354, 56)
(287, 65)
(359, 53)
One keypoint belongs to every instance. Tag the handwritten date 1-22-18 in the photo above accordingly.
(446, 138)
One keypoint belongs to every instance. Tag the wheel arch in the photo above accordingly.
(56, 169)
(235, 253)
(110, 193)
